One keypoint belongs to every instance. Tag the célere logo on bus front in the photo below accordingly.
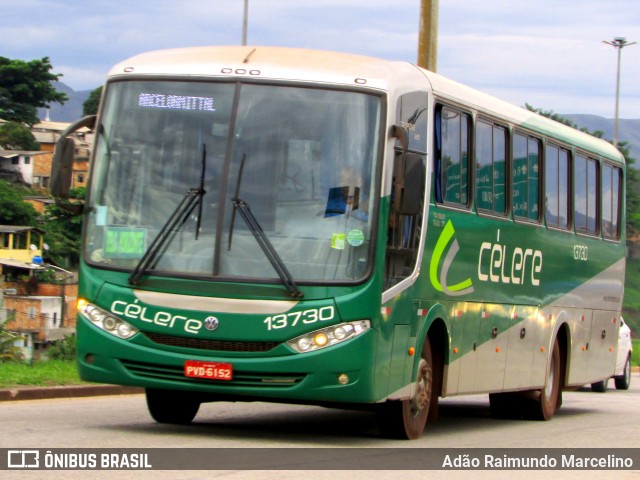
(135, 311)
(496, 264)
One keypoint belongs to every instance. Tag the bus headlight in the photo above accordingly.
(328, 336)
(107, 321)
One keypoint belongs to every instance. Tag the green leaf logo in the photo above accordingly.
(440, 283)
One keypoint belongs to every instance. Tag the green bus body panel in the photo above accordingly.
(515, 263)
(521, 282)
(504, 296)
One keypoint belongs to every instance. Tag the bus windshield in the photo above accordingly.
(174, 160)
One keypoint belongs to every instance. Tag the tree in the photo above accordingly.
(25, 87)
(15, 136)
(64, 349)
(62, 232)
(8, 350)
(91, 104)
(13, 210)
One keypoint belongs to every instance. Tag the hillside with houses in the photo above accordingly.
(37, 297)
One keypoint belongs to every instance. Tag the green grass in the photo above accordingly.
(40, 374)
(635, 355)
(631, 305)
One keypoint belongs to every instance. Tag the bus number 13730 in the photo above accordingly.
(292, 319)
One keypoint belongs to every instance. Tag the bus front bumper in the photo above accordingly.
(342, 373)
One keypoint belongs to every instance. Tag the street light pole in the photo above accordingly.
(428, 35)
(619, 43)
(245, 22)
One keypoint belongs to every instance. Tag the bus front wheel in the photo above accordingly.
(406, 419)
(169, 406)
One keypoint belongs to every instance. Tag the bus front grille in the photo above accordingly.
(212, 345)
(240, 378)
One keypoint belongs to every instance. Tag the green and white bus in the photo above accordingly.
(321, 228)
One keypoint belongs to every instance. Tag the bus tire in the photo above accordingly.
(624, 381)
(406, 419)
(599, 387)
(170, 406)
(549, 398)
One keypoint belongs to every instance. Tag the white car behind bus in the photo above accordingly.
(622, 375)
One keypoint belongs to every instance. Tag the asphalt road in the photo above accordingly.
(586, 420)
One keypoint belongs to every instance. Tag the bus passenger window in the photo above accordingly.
(526, 180)
(557, 187)
(610, 201)
(452, 145)
(491, 155)
(585, 195)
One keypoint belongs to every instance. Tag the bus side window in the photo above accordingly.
(452, 157)
(557, 187)
(586, 190)
(490, 158)
(526, 177)
(611, 201)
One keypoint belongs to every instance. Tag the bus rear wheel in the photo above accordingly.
(406, 419)
(171, 406)
(549, 399)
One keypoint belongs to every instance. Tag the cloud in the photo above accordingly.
(522, 51)
(543, 51)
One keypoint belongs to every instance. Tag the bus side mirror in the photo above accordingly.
(63, 157)
(62, 168)
(408, 184)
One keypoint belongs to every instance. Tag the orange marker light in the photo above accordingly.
(455, 350)
(321, 339)
(412, 351)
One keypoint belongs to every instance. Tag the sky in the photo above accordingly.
(547, 53)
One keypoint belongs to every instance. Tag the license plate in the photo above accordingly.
(208, 370)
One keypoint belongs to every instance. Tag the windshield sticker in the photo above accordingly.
(176, 102)
(101, 215)
(355, 237)
(122, 242)
(338, 241)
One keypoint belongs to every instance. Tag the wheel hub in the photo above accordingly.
(423, 389)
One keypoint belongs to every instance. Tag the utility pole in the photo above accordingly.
(428, 35)
(245, 22)
(619, 43)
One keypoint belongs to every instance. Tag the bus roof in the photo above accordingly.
(347, 70)
(265, 62)
(463, 95)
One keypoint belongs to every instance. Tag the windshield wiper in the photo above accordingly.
(193, 198)
(265, 244)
